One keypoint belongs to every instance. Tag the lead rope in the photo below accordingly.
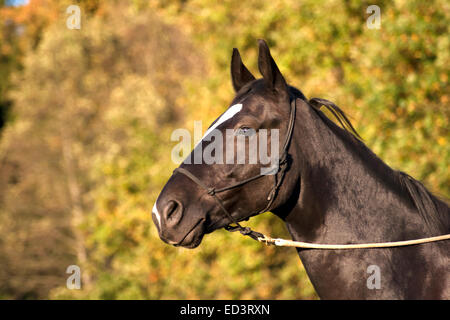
(307, 245)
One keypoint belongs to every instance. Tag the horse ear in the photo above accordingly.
(269, 69)
(240, 75)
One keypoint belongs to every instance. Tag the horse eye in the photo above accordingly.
(245, 131)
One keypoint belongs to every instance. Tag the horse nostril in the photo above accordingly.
(172, 212)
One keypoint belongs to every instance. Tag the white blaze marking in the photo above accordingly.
(230, 113)
(156, 213)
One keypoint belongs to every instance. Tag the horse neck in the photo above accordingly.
(347, 194)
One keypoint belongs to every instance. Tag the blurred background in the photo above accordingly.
(86, 116)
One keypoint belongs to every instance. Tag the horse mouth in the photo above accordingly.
(194, 237)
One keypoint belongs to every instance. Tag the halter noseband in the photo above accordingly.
(281, 169)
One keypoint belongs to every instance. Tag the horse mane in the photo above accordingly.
(337, 113)
(431, 209)
(426, 203)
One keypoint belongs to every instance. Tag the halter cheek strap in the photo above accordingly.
(281, 171)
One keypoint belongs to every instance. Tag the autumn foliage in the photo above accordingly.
(86, 117)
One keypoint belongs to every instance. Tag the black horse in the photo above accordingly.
(333, 190)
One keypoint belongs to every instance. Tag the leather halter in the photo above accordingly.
(280, 170)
